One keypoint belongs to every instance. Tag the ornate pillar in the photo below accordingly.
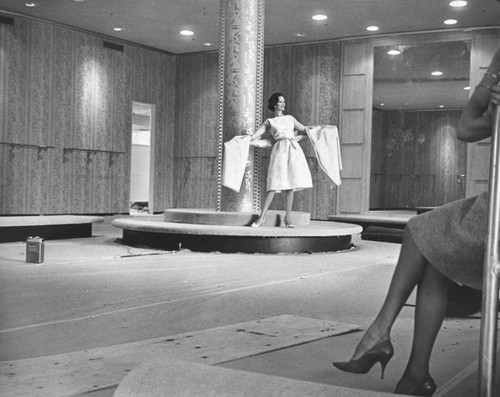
(241, 56)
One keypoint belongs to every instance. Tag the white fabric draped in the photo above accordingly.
(324, 139)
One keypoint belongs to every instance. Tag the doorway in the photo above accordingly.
(142, 162)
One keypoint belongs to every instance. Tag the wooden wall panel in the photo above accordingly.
(352, 161)
(152, 81)
(196, 132)
(353, 130)
(355, 119)
(416, 159)
(63, 96)
(351, 189)
(352, 86)
(66, 119)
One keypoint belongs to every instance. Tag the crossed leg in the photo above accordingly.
(411, 270)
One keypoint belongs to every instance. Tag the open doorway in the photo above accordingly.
(141, 164)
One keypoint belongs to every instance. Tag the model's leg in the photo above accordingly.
(288, 207)
(409, 269)
(267, 203)
(432, 294)
(263, 212)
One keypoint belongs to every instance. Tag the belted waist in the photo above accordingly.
(293, 141)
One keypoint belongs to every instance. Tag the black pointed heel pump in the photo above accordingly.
(426, 388)
(380, 353)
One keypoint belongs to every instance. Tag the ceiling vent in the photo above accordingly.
(112, 46)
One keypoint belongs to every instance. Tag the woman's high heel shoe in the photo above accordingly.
(288, 224)
(380, 353)
(426, 388)
(259, 222)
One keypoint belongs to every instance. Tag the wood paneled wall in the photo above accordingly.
(196, 131)
(66, 110)
(308, 76)
(416, 159)
(355, 134)
(65, 119)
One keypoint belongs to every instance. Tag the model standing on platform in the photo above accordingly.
(288, 169)
(445, 243)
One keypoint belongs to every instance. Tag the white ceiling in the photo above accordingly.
(156, 23)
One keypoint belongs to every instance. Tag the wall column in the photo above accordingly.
(240, 91)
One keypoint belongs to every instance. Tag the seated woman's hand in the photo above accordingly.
(495, 94)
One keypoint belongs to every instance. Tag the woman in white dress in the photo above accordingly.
(288, 169)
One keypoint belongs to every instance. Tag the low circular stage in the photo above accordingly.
(315, 236)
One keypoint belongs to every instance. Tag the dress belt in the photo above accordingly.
(293, 141)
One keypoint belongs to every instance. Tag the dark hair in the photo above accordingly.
(273, 100)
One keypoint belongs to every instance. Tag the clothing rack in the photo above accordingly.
(489, 319)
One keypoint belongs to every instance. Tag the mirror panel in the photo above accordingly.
(419, 91)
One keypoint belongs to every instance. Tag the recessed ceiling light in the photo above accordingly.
(372, 28)
(300, 34)
(186, 32)
(437, 73)
(450, 22)
(118, 29)
(441, 106)
(30, 4)
(319, 17)
(394, 52)
(467, 88)
(207, 44)
(458, 3)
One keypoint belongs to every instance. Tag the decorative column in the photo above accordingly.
(241, 56)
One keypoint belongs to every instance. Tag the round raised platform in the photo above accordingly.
(318, 236)
(227, 218)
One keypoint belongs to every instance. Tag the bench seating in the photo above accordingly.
(49, 227)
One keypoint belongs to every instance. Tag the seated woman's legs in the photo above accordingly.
(412, 269)
(430, 309)
(409, 269)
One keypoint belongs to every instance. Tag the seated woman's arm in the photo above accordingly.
(476, 121)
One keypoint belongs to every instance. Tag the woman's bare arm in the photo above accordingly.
(477, 117)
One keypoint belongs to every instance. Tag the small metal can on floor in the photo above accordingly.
(35, 249)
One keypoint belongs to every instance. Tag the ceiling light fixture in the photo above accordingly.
(118, 29)
(300, 34)
(186, 32)
(30, 4)
(372, 28)
(394, 52)
(450, 22)
(458, 3)
(467, 88)
(437, 73)
(207, 44)
(319, 17)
